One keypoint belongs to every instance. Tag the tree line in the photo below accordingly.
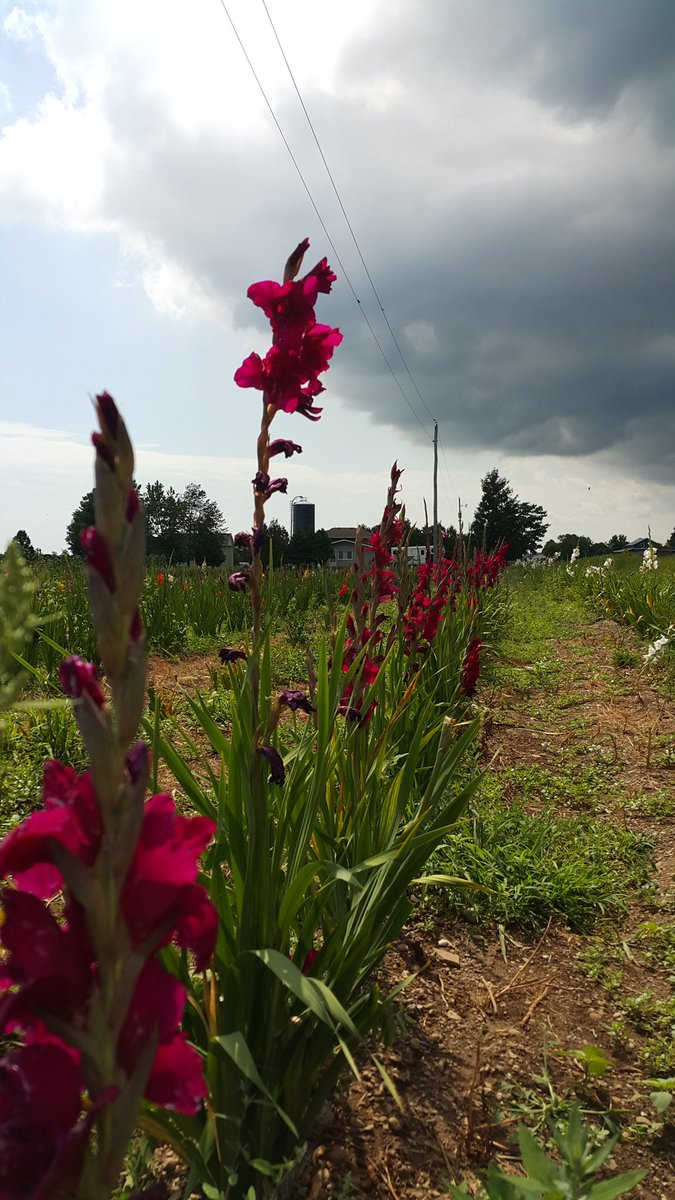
(189, 527)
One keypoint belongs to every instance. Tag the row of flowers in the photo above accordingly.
(313, 833)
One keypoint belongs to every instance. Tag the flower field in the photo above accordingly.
(400, 828)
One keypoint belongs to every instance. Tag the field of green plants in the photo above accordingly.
(223, 901)
(530, 864)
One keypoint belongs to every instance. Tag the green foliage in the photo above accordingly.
(502, 517)
(536, 864)
(183, 527)
(574, 1177)
(81, 519)
(311, 878)
(17, 620)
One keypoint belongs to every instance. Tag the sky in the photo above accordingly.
(505, 175)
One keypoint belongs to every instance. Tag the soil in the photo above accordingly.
(483, 1026)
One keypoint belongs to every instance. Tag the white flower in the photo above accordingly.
(650, 560)
(656, 648)
(576, 553)
(570, 571)
(593, 571)
(608, 563)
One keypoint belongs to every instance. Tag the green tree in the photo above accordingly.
(183, 527)
(618, 541)
(81, 519)
(278, 539)
(203, 527)
(566, 543)
(670, 544)
(28, 551)
(502, 517)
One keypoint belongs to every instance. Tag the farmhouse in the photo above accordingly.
(343, 543)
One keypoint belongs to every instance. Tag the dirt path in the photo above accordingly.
(487, 1027)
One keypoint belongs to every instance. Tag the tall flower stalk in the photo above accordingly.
(288, 377)
(81, 982)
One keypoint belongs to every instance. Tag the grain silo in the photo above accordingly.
(302, 516)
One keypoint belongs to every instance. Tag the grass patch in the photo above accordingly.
(27, 740)
(541, 864)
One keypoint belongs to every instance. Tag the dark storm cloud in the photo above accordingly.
(505, 167)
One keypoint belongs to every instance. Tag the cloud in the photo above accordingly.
(507, 168)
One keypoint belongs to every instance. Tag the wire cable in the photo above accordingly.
(344, 212)
(321, 220)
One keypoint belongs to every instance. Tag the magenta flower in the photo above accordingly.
(176, 1077)
(238, 581)
(98, 556)
(41, 1142)
(79, 678)
(70, 819)
(266, 487)
(161, 899)
(471, 669)
(285, 447)
(49, 965)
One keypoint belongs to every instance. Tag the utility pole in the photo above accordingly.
(436, 557)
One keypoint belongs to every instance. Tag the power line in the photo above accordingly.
(344, 212)
(321, 220)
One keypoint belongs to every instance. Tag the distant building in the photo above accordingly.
(638, 546)
(302, 517)
(343, 543)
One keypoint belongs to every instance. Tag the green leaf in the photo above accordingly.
(234, 1045)
(661, 1100)
(609, 1189)
(536, 1163)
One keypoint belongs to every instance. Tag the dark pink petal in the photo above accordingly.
(71, 818)
(251, 373)
(156, 1009)
(177, 1076)
(79, 678)
(50, 963)
(40, 1103)
(98, 556)
(108, 412)
(324, 276)
(103, 450)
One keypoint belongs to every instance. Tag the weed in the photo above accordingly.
(537, 864)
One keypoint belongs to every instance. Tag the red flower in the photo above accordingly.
(160, 578)
(471, 668)
(301, 349)
(176, 1076)
(40, 1139)
(50, 964)
(79, 678)
(161, 897)
(97, 555)
(70, 819)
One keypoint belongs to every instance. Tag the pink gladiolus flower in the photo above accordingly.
(161, 898)
(70, 818)
(79, 678)
(41, 1142)
(50, 964)
(285, 447)
(176, 1077)
(471, 670)
(98, 556)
